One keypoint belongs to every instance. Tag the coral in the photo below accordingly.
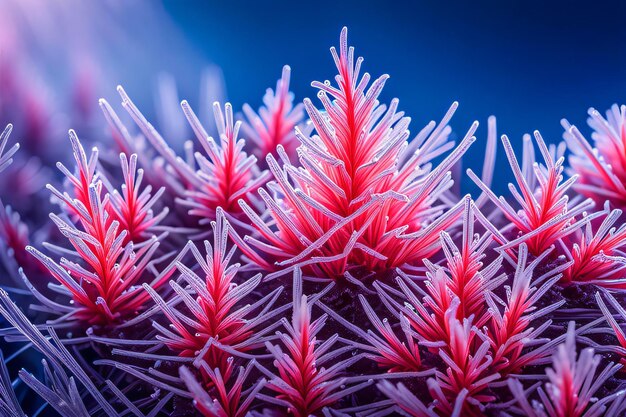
(220, 179)
(221, 311)
(102, 282)
(598, 258)
(511, 331)
(164, 290)
(601, 169)
(303, 384)
(229, 174)
(546, 213)
(362, 197)
(229, 402)
(274, 123)
(132, 208)
(572, 385)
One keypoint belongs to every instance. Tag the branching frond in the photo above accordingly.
(275, 122)
(573, 382)
(229, 399)
(599, 258)
(303, 384)
(104, 279)
(362, 196)
(512, 330)
(461, 389)
(224, 174)
(469, 278)
(132, 208)
(546, 214)
(211, 309)
(601, 168)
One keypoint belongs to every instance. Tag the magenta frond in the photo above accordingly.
(104, 279)
(132, 207)
(275, 122)
(599, 258)
(382, 344)
(227, 398)
(462, 387)
(464, 383)
(469, 278)
(460, 285)
(156, 171)
(546, 213)
(310, 372)
(208, 313)
(226, 174)
(427, 315)
(511, 330)
(600, 167)
(392, 352)
(362, 196)
(219, 177)
(572, 384)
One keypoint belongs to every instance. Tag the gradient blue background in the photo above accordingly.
(529, 63)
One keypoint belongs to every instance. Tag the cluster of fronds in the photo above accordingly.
(320, 266)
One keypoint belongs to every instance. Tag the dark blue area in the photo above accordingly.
(529, 63)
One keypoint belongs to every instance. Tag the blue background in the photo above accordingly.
(528, 63)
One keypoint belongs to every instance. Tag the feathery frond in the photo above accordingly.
(512, 331)
(461, 389)
(104, 280)
(469, 279)
(213, 314)
(573, 382)
(225, 174)
(275, 122)
(362, 197)
(546, 214)
(132, 208)
(601, 168)
(229, 400)
(303, 384)
(228, 174)
(598, 258)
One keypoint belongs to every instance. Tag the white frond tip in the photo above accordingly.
(6, 156)
(572, 384)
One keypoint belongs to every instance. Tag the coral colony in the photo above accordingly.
(313, 259)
